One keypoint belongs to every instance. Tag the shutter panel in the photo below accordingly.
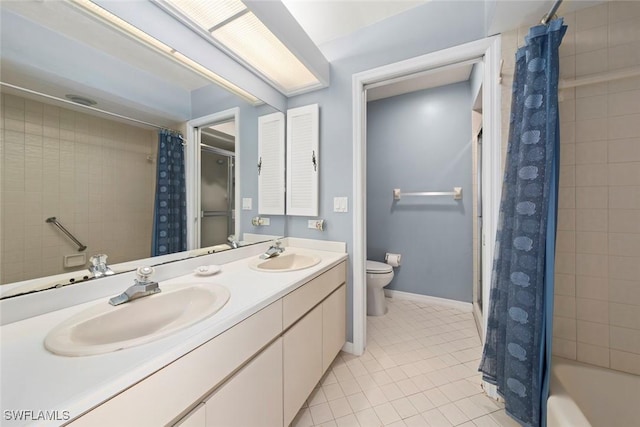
(271, 164)
(302, 160)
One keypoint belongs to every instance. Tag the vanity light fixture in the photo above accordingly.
(230, 25)
(144, 38)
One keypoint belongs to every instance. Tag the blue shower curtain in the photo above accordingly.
(517, 351)
(170, 215)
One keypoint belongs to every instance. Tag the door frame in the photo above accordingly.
(192, 171)
(490, 50)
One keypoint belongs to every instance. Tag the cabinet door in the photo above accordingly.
(334, 327)
(251, 397)
(302, 160)
(271, 164)
(302, 358)
(195, 418)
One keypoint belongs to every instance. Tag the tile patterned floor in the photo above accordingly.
(419, 369)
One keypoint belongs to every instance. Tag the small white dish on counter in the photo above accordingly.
(207, 270)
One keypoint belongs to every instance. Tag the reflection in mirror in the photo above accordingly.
(95, 172)
(217, 184)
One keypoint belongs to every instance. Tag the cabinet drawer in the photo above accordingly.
(303, 299)
(160, 398)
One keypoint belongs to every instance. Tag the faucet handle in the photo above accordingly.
(144, 273)
(277, 243)
(98, 259)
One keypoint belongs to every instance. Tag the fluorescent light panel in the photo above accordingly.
(171, 53)
(249, 39)
(208, 14)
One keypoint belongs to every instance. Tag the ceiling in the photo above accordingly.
(157, 89)
(327, 20)
(428, 80)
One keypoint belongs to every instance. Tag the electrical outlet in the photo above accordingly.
(316, 224)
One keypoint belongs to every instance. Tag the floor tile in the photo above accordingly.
(386, 413)
(321, 413)
(340, 407)
(420, 368)
(347, 421)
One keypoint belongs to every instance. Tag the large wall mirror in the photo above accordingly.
(94, 169)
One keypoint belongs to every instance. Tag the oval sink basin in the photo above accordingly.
(285, 262)
(104, 328)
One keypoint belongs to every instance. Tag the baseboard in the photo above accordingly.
(464, 306)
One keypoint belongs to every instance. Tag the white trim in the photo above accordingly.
(489, 48)
(192, 172)
(408, 296)
(348, 347)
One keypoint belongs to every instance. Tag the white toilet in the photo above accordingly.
(379, 275)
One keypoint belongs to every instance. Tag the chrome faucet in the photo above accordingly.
(231, 241)
(141, 287)
(273, 251)
(99, 266)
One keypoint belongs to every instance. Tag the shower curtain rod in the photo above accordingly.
(98, 110)
(549, 16)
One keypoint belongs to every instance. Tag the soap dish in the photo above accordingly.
(207, 270)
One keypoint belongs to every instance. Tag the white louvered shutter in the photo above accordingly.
(271, 164)
(302, 160)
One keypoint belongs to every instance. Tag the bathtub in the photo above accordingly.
(586, 395)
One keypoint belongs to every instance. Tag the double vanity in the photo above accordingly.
(244, 346)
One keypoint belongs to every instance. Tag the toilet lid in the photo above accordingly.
(378, 267)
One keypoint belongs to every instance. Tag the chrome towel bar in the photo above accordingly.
(456, 193)
(54, 221)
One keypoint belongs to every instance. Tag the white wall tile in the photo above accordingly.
(624, 244)
(627, 362)
(592, 17)
(624, 315)
(623, 10)
(593, 354)
(625, 339)
(592, 310)
(624, 267)
(624, 174)
(593, 333)
(564, 348)
(624, 220)
(594, 62)
(623, 56)
(592, 39)
(592, 287)
(591, 175)
(624, 291)
(624, 150)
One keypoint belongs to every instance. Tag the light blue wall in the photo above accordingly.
(424, 29)
(421, 141)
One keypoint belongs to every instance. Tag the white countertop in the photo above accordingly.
(35, 379)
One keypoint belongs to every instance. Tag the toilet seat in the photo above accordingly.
(375, 267)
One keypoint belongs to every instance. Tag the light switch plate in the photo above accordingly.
(246, 203)
(340, 204)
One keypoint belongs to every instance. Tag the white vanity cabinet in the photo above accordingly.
(257, 373)
(253, 396)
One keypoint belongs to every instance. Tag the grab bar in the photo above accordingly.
(456, 193)
(54, 221)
